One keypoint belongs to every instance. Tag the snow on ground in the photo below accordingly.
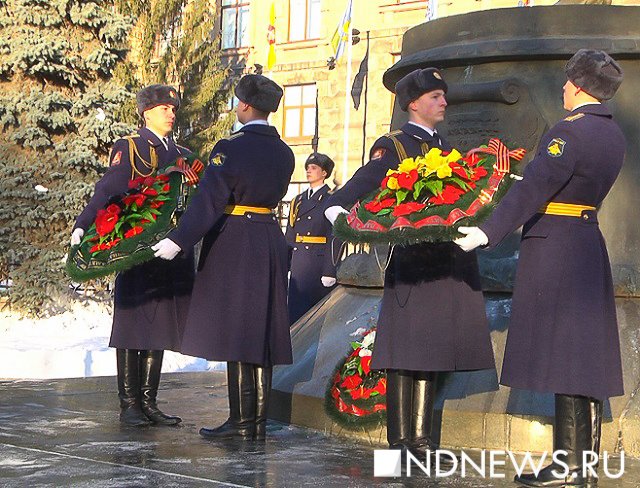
(70, 345)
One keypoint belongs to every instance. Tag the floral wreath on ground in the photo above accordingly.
(356, 396)
(426, 198)
(125, 229)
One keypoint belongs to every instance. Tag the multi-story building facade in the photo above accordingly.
(301, 32)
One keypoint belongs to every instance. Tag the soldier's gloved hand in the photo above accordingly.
(474, 237)
(328, 281)
(166, 249)
(76, 236)
(332, 213)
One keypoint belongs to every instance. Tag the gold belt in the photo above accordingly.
(243, 209)
(311, 239)
(566, 209)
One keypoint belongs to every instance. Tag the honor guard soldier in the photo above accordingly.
(563, 334)
(151, 300)
(311, 244)
(238, 310)
(432, 318)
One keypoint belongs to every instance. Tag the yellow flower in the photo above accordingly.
(392, 183)
(408, 165)
(435, 162)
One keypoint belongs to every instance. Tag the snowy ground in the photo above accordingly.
(69, 345)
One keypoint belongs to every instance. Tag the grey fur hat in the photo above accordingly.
(418, 82)
(595, 72)
(260, 92)
(154, 95)
(322, 160)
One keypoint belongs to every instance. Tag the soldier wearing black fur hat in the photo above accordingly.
(151, 300)
(563, 334)
(313, 251)
(238, 309)
(432, 318)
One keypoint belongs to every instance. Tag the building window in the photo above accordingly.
(299, 111)
(235, 20)
(304, 19)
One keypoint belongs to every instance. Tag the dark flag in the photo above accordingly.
(358, 81)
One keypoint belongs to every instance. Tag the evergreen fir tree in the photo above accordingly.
(60, 112)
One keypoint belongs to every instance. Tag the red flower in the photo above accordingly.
(335, 392)
(360, 392)
(449, 195)
(379, 406)
(135, 183)
(407, 180)
(134, 231)
(148, 181)
(383, 185)
(478, 173)
(407, 208)
(104, 246)
(459, 170)
(381, 387)
(105, 222)
(162, 178)
(114, 209)
(131, 199)
(156, 204)
(471, 159)
(375, 206)
(150, 192)
(95, 248)
(357, 411)
(351, 382)
(166, 187)
(365, 362)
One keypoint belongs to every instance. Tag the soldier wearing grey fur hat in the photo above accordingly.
(238, 308)
(432, 317)
(151, 300)
(563, 333)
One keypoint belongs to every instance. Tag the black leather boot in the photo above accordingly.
(150, 366)
(241, 423)
(424, 395)
(596, 433)
(571, 433)
(399, 399)
(263, 389)
(129, 388)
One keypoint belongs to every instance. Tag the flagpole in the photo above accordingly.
(364, 118)
(347, 105)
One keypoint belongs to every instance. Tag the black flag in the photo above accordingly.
(358, 81)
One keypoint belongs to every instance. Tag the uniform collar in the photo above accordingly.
(428, 130)
(593, 109)
(317, 191)
(418, 131)
(266, 130)
(151, 137)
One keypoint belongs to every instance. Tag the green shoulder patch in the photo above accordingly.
(555, 148)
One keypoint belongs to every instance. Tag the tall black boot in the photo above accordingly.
(129, 388)
(241, 423)
(571, 433)
(150, 366)
(263, 390)
(424, 395)
(596, 431)
(399, 399)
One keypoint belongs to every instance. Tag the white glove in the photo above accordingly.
(332, 213)
(328, 281)
(76, 236)
(474, 237)
(166, 249)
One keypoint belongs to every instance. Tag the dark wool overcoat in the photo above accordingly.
(563, 334)
(432, 316)
(151, 300)
(239, 305)
(309, 262)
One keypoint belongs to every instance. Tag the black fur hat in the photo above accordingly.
(322, 160)
(154, 95)
(260, 92)
(595, 72)
(418, 82)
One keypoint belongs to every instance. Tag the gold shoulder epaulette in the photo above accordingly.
(393, 133)
(131, 136)
(234, 136)
(571, 118)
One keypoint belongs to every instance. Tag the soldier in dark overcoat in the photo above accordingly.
(312, 247)
(432, 317)
(151, 300)
(563, 334)
(238, 309)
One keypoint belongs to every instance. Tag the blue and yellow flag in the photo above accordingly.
(341, 35)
